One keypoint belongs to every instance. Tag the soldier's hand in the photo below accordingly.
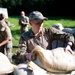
(28, 56)
(68, 49)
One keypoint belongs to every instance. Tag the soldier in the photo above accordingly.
(23, 22)
(5, 38)
(38, 35)
(7, 22)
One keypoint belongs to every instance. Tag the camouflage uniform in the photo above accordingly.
(7, 22)
(3, 34)
(28, 40)
(24, 27)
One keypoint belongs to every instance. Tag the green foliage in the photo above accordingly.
(14, 29)
(26, 5)
(48, 7)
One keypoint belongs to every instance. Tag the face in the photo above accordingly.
(35, 24)
(22, 14)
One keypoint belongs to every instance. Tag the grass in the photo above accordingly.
(15, 28)
(66, 22)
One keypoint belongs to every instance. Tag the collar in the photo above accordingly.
(33, 35)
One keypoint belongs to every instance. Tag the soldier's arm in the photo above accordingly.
(27, 21)
(22, 49)
(60, 35)
(5, 41)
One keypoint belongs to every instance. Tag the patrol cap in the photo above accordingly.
(2, 26)
(36, 15)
